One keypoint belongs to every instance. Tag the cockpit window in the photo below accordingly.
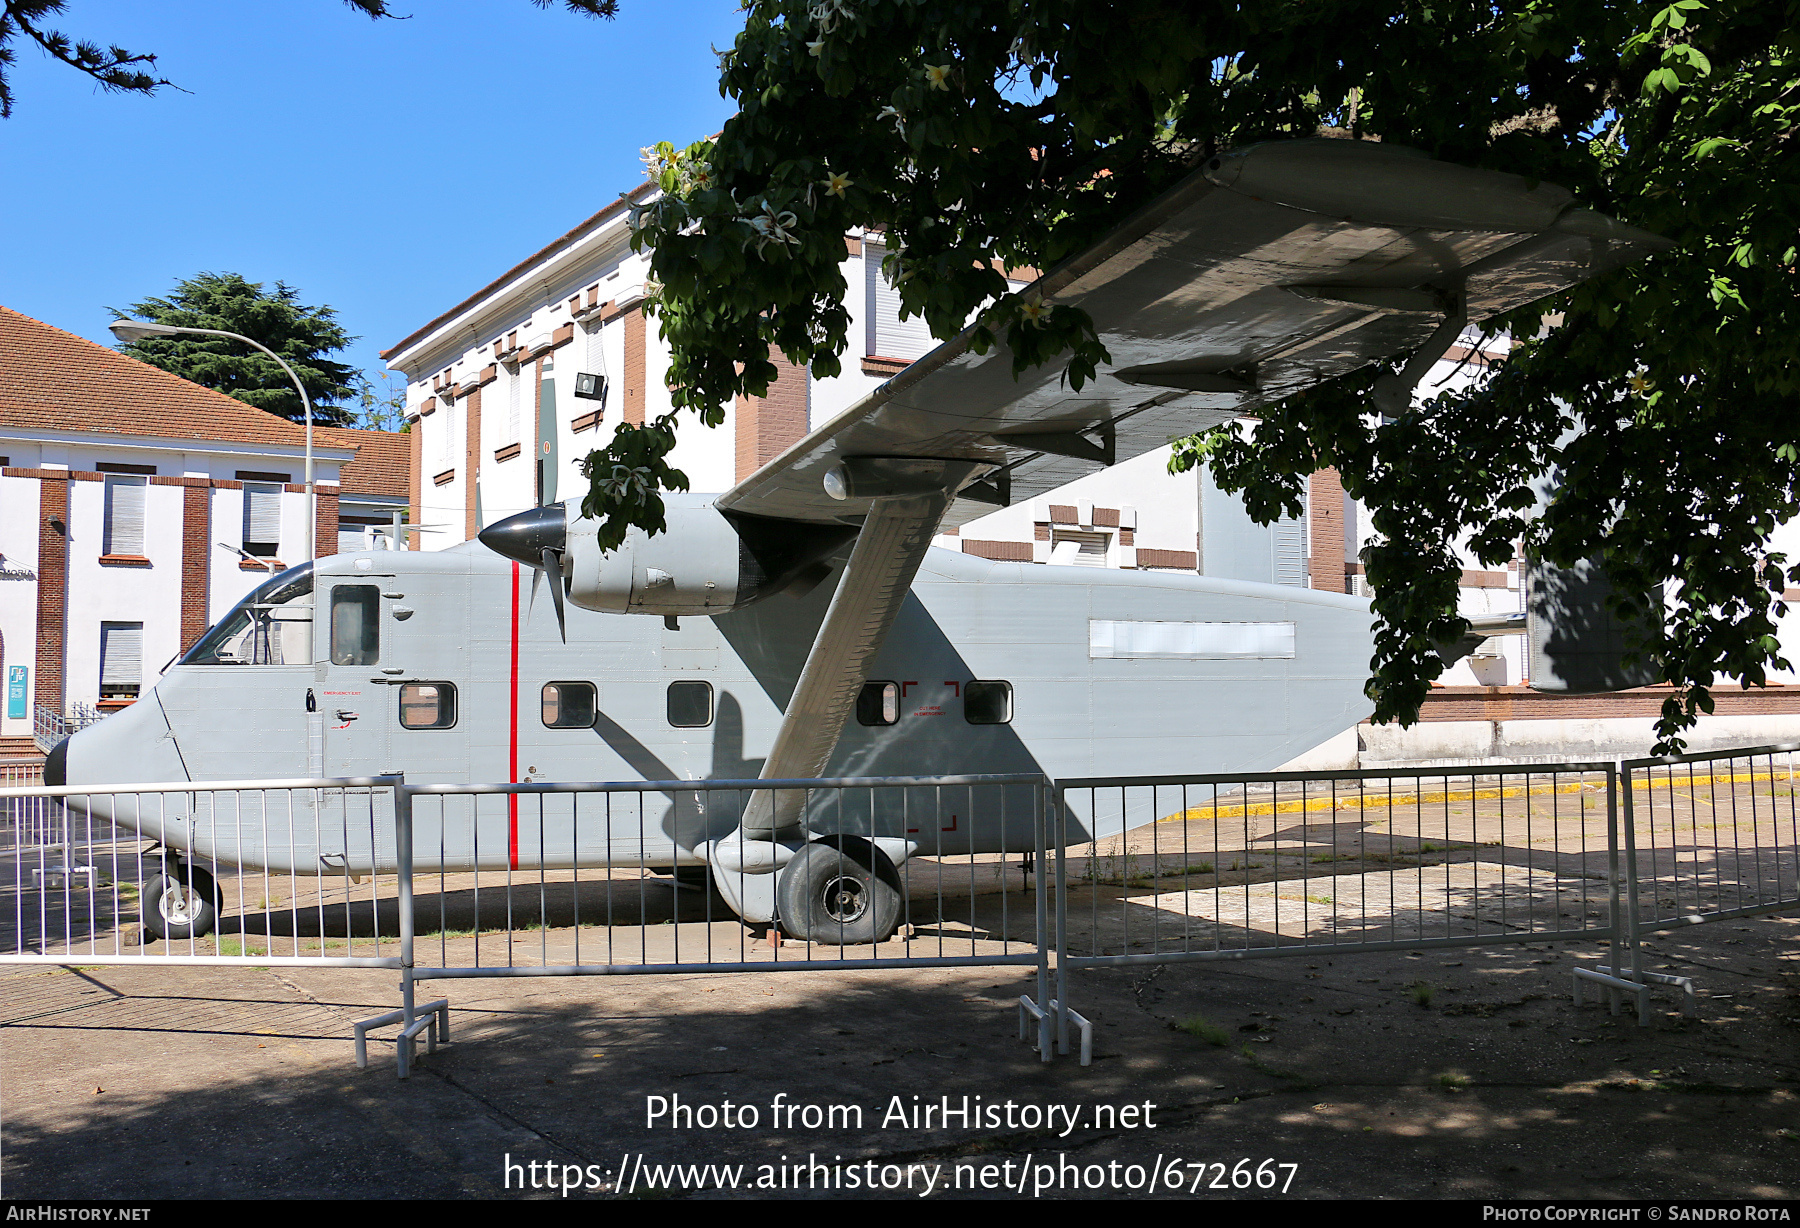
(270, 626)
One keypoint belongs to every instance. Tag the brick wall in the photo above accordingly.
(52, 590)
(768, 426)
(1326, 565)
(325, 523)
(414, 507)
(636, 372)
(196, 562)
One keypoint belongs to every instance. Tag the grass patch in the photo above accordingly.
(1211, 1033)
(1428, 848)
(1452, 1082)
(1205, 867)
(237, 946)
(1422, 992)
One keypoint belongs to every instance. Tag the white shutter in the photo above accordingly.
(125, 515)
(121, 654)
(262, 515)
(353, 539)
(888, 335)
(515, 383)
(1089, 549)
(1290, 552)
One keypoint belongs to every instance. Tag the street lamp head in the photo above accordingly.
(137, 330)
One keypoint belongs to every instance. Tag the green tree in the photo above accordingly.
(303, 336)
(1017, 131)
(130, 72)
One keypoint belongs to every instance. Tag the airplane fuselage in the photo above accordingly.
(448, 666)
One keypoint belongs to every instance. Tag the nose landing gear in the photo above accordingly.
(181, 902)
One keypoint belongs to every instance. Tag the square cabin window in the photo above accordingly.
(569, 705)
(878, 703)
(987, 703)
(355, 624)
(690, 705)
(428, 705)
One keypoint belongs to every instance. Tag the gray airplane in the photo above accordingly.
(801, 626)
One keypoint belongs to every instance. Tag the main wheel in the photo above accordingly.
(839, 894)
(181, 902)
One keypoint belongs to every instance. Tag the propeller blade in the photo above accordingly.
(553, 568)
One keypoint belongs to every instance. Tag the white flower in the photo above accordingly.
(773, 227)
(937, 76)
(836, 183)
(899, 120)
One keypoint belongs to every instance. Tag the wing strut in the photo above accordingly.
(878, 577)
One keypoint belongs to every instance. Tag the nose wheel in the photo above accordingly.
(181, 902)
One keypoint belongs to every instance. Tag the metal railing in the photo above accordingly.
(569, 879)
(49, 727)
(245, 872)
(21, 773)
(1234, 867)
(604, 879)
(1707, 837)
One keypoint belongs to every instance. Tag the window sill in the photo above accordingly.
(271, 566)
(507, 453)
(875, 365)
(113, 705)
(124, 560)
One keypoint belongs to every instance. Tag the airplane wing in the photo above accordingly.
(1267, 271)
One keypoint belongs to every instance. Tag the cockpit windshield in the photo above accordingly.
(270, 626)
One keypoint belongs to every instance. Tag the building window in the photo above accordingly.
(125, 515)
(690, 704)
(121, 660)
(1079, 547)
(428, 705)
(569, 705)
(887, 335)
(262, 519)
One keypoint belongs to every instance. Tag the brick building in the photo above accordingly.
(137, 507)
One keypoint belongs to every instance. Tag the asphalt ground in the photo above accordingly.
(1455, 1073)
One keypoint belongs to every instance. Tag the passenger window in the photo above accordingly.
(428, 705)
(878, 703)
(690, 704)
(355, 624)
(987, 703)
(569, 705)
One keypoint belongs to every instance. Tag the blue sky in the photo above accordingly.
(387, 169)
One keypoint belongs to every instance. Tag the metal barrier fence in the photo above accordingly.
(1707, 836)
(601, 879)
(21, 773)
(242, 872)
(458, 881)
(1234, 867)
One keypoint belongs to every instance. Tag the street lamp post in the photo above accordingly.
(137, 330)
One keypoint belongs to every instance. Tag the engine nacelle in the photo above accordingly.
(705, 562)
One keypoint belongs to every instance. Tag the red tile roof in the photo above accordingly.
(52, 380)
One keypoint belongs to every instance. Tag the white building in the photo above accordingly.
(512, 386)
(137, 507)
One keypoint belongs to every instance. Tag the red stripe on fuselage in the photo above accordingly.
(512, 742)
